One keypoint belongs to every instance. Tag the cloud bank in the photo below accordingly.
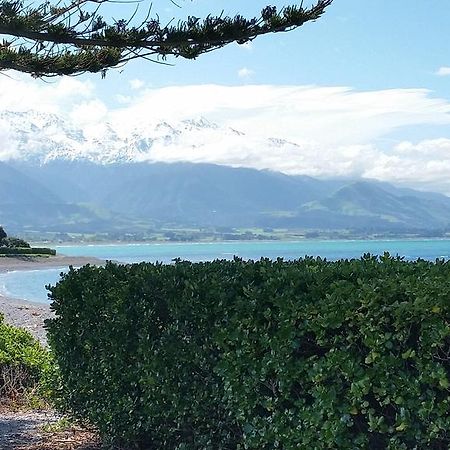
(443, 71)
(334, 131)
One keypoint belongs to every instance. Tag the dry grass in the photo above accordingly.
(42, 430)
(71, 439)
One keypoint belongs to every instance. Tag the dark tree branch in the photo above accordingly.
(55, 40)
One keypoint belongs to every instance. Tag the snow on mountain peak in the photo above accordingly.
(43, 137)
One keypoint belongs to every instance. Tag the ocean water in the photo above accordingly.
(30, 285)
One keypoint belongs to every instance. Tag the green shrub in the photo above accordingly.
(307, 354)
(12, 242)
(23, 363)
(349, 354)
(136, 355)
(27, 251)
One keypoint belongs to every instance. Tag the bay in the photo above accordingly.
(30, 285)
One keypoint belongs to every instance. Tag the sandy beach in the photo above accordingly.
(30, 315)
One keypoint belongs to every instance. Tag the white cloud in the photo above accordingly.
(123, 99)
(136, 84)
(247, 46)
(334, 116)
(20, 93)
(245, 73)
(7, 145)
(336, 130)
(424, 164)
(443, 71)
(90, 112)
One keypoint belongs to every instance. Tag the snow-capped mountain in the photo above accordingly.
(56, 175)
(44, 137)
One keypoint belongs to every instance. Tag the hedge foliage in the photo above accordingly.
(27, 251)
(305, 354)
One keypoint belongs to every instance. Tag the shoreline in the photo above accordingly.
(296, 239)
(12, 263)
(27, 314)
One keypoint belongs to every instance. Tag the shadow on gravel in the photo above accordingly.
(17, 432)
(23, 431)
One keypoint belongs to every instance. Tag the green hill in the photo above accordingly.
(86, 197)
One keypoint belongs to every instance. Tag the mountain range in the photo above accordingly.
(44, 137)
(79, 196)
(55, 177)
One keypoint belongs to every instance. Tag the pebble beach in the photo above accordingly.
(30, 315)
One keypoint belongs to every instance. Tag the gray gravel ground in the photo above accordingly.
(18, 429)
(30, 315)
(23, 430)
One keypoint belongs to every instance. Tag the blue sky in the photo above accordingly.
(365, 44)
(362, 44)
(363, 92)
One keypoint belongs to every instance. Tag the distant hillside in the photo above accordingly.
(374, 207)
(26, 203)
(82, 196)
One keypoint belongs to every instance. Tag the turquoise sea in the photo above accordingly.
(30, 285)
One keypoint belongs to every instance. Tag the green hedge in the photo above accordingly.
(307, 354)
(27, 251)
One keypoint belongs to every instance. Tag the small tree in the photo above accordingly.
(66, 39)
(12, 242)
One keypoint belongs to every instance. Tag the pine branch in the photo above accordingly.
(54, 40)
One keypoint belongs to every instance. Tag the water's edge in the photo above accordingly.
(30, 284)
